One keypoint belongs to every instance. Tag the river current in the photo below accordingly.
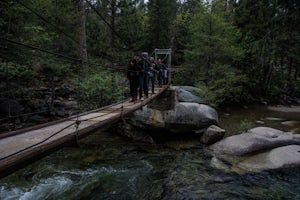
(107, 166)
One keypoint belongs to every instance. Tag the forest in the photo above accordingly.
(76, 52)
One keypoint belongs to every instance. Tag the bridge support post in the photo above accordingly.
(168, 53)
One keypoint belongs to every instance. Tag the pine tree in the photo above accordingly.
(271, 39)
(213, 53)
(160, 17)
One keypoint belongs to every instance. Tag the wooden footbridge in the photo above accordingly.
(21, 147)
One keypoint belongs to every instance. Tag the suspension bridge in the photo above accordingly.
(21, 147)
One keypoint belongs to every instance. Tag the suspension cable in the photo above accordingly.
(164, 57)
(43, 50)
(108, 24)
(48, 22)
(36, 144)
(76, 123)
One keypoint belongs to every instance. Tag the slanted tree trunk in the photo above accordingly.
(208, 78)
(112, 23)
(81, 32)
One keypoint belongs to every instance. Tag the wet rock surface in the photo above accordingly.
(176, 112)
(277, 158)
(259, 149)
(45, 105)
(212, 134)
(256, 139)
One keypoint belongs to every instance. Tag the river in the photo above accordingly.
(107, 166)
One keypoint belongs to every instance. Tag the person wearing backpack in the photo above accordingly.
(144, 76)
(152, 72)
(133, 77)
(160, 68)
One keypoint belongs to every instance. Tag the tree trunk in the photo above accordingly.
(112, 23)
(290, 67)
(209, 57)
(81, 33)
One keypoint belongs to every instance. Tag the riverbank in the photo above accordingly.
(107, 166)
(287, 109)
(238, 119)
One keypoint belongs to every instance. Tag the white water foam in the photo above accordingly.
(49, 187)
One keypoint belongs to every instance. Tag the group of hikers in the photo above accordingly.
(142, 71)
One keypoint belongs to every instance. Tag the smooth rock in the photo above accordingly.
(212, 134)
(256, 139)
(187, 117)
(186, 96)
(278, 158)
(291, 123)
(181, 117)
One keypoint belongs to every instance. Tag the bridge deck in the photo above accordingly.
(24, 146)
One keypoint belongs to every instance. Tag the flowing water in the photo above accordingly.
(106, 166)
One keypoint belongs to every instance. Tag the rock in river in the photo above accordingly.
(259, 149)
(175, 111)
(256, 139)
(278, 158)
(184, 117)
(212, 134)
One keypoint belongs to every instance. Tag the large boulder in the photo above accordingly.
(256, 139)
(259, 149)
(212, 134)
(183, 95)
(127, 130)
(190, 89)
(186, 117)
(175, 111)
(148, 118)
(278, 158)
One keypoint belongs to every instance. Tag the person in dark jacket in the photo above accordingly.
(165, 74)
(133, 76)
(161, 67)
(144, 76)
(153, 70)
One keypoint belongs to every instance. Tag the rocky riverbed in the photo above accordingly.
(179, 113)
(108, 166)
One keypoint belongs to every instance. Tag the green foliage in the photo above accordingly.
(213, 39)
(98, 32)
(245, 125)
(270, 38)
(181, 36)
(230, 49)
(184, 76)
(16, 72)
(213, 54)
(228, 87)
(160, 17)
(37, 35)
(296, 88)
(15, 79)
(56, 68)
(131, 23)
(203, 92)
(101, 88)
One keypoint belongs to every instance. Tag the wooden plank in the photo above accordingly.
(28, 144)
